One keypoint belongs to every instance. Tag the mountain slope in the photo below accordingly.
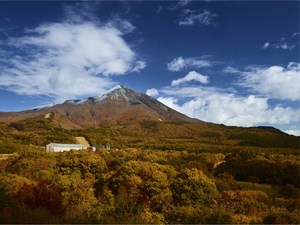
(118, 106)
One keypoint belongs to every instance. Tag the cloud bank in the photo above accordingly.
(227, 106)
(229, 109)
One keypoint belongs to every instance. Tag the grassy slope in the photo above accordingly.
(189, 136)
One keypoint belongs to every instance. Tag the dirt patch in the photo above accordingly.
(83, 141)
(5, 156)
(47, 116)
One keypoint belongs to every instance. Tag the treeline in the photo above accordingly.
(135, 186)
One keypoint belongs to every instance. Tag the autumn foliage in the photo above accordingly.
(135, 186)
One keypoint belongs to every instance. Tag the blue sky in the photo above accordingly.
(230, 62)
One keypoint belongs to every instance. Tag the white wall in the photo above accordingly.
(57, 148)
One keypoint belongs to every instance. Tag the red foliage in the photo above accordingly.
(42, 195)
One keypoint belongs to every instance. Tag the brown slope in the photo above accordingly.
(118, 106)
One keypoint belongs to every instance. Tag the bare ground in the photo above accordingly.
(83, 141)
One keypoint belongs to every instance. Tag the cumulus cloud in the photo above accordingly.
(181, 63)
(191, 76)
(152, 92)
(191, 17)
(68, 59)
(275, 81)
(210, 104)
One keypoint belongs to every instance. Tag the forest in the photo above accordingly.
(139, 186)
(155, 173)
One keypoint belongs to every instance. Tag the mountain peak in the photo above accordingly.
(114, 89)
(118, 89)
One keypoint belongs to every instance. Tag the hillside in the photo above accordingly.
(189, 136)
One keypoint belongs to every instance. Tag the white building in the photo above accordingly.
(55, 147)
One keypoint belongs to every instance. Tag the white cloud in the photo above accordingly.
(191, 76)
(68, 59)
(230, 69)
(209, 104)
(139, 65)
(177, 64)
(293, 132)
(179, 4)
(171, 102)
(275, 81)
(266, 45)
(152, 92)
(192, 17)
(180, 63)
(189, 91)
(284, 46)
(284, 43)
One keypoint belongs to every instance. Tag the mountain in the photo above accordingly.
(124, 117)
(118, 106)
